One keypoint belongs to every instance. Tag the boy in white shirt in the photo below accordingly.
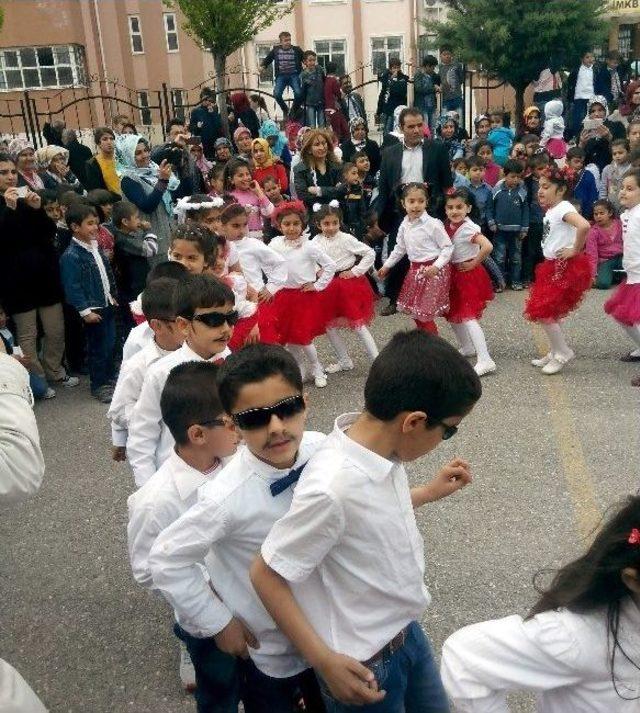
(342, 572)
(205, 315)
(158, 309)
(192, 411)
(261, 390)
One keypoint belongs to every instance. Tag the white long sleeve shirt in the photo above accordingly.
(631, 244)
(138, 337)
(238, 284)
(127, 391)
(226, 528)
(302, 258)
(257, 258)
(563, 656)
(421, 240)
(344, 249)
(149, 443)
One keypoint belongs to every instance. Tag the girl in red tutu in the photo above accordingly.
(624, 305)
(423, 239)
(470, 288)
(565, 274)
(300, 307)
(349, 298)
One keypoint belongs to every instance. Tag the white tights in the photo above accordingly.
(559, 346)
(340, 348)
(634, 333)
(309, 351)
(471, 338)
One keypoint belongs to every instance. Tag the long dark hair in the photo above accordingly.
(594, 580)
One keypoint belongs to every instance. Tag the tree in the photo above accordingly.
(223, 26)
(515, 40)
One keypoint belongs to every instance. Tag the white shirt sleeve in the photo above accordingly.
(399, 249)
(365, 252)
(145, 429)
(326, 263)
(445, 245)
(274, 267)
(145, 524)
(175, 560)
(122, 404)
(483, 662)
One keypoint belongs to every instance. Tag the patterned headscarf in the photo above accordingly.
(17, 146)
(46, 155)
(598, 99)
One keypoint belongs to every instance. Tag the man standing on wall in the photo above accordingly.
(287, 59)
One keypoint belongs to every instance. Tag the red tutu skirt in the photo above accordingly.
(425, 298)
(557, 148)
(241, 331)
(558, 288)
(469, 294)
(268, 322)
(302, 316)
(348, 302)
(624, 304)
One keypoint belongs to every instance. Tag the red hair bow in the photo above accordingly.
(450, 191)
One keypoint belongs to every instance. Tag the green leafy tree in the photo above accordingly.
(514, 40)
(223, 26)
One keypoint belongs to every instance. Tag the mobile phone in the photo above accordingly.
(590, 124)
(22, 191)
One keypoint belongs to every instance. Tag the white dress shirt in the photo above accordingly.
(157, 504)
(344, 249)
(631, 244)
(584, 83)
(127, 391)
(464, 247)
(246, 308)
(302, 258)
(556, 232)
(412, 159)
(149, 443)
(563, 656)
(351, 548)
(421, 240)
(257, 258)
(233, 515)
(138, 337)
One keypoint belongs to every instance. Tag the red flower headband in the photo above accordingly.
(287, 208)
(634, 537)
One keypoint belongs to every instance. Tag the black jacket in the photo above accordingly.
(393, 92)
(601, 82)
(208, 125)
(303, 179)
(79, 154)
(371, 148)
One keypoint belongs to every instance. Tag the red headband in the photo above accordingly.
(287, 208)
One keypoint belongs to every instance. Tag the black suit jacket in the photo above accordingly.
(436, 173)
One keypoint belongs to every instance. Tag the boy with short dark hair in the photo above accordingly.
(612, 175)
(205, 314)
(89, 287)
(354, 204)
(508, 217)
(585, 186)
(312, 89)
(532, 246)
(342, 572)
(261, 390)
(366, 178)
(103, 200)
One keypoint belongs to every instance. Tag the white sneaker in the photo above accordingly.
(68, 381)
(320, 381)
(339, 366)
(543, 361)
(49, 393)
(187, 672)
(485, 367)
(557, 364)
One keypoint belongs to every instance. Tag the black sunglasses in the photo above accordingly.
(260, 417)
(447, 430)
(217, 319)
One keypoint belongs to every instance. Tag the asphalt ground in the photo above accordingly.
(549, 455)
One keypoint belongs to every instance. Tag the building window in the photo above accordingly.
(42, 67)
(135, 33)
(382, 50)
(625, 40)
(331, 51)
(171, 31)
(265, 76)
(177, 102)
(145, 112)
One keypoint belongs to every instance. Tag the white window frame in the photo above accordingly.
(269, 46)
(167, 31)
(76, 65)
(385, 37)
(135, 33)
(330, 40)
(143, 106)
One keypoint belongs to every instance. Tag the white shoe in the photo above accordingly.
(339, 366)
(49, 393)
(485, 367)
(320, 381)
(557, 363)
(469, 352)
(187, 672)
(68, 381)
(542, 361)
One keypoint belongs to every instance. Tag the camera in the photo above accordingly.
(173, 154)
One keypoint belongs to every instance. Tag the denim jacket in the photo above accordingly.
(81, 279)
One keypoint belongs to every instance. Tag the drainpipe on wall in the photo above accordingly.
(103, 67)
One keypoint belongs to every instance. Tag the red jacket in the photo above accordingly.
(277, 170)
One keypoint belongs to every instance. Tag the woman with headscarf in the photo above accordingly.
(359, 141)
(267, 165)
(302, 131)
(244, 115)
(531, 122)
(148, 186)
(277, 140)
(446, 131)
(202, 163)
(55, 162)
(395, 135)
(24, 155)
(596, 142)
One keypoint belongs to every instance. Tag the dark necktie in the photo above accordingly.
(280, 485)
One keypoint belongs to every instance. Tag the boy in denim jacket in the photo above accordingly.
(89, 287)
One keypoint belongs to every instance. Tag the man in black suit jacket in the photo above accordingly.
(413, 159)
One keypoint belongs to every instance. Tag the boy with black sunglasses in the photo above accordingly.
(261, 390)
(342, 573)
(205, 314)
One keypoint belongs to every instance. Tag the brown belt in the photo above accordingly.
(389, 648)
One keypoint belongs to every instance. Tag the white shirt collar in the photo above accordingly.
(375, 466)
(92, 247)
(186, 479)
(263, 470)
(412, 148)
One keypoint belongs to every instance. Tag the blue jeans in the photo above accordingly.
(101, 340)
(38, 385)
(282, 82)
(263, 693)
(507, 252)
(497, 278)
(315, 116)
(217, 677)
(410, 678)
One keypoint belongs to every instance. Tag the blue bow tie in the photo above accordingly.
(280, 485)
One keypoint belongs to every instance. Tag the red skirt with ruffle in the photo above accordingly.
(241, 331)
(624, 304)
(469, 294)
(558, 288)
(425, 298)
(268, 322)
(349, 302)
(302, 316)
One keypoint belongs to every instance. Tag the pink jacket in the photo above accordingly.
(604, 244)
(255, 208)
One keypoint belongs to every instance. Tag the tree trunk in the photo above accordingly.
(518, 124)
(220, 63)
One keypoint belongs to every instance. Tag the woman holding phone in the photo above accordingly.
(598, 132)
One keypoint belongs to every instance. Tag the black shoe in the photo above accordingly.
(389, 310)
(103, 394)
